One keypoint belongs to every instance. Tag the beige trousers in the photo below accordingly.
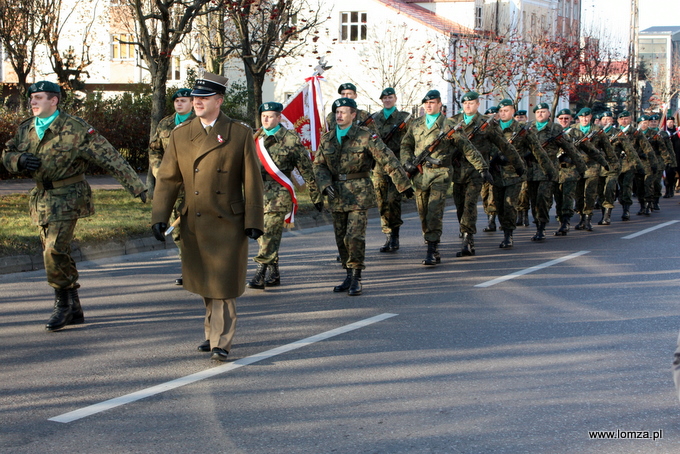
(220, 322)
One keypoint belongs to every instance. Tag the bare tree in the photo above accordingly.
(602, 65)
(207, 44)
(558, 66)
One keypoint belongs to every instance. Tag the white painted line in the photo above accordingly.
(167, 386)
(530, 270)
(651, 229)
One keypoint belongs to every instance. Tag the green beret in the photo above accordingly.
(432, 94)
(491, 110)
(606, 114)
(655, 117)
(470, 96)
(541, 105)
(347, 102)
(520, 112)
(584, 112)
(564, 112)
(505, 103)
(386, 92)
(45, 86)
(271, 107)
(182, 93)
(624, 114)
(347, 86)
(597, 116)
(643, 118)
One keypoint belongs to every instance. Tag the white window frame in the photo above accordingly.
(353, 26)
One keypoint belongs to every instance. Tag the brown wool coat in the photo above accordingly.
(223, 185)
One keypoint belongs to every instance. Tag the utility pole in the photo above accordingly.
(633, 58)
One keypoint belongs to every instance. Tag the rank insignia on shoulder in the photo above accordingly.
(91, 131)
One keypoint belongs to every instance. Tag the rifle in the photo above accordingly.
(420, 159)
(481, 127)
(588, 137)
(519, 134)
(395, 129)
(554, 138)
(368, 121)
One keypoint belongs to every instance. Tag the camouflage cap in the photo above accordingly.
(182, 93)
(584, 112)
(643, 118)
(344, 102)
(470, 96)
(271, 107)
(654, 117)
(624, 114)
(44, 86)
(564, 112)
(491, 110)
(432, 94)
(520, 113)
(386, 92)
(541, 105)
(210, 85)
(347, 86)
(505, 103)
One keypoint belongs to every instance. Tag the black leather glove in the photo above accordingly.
(409, 193)
(487, 176)
(319, 206)
(29, 161)
(330, 192)
(520, 171)
(158, 230)
(411, 169)
(640, 170)
(606, 167)
(254, 233)
(654, 169)
(142, 196)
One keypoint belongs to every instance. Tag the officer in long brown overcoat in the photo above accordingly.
(214, 158)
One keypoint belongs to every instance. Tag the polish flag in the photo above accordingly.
(302, 113)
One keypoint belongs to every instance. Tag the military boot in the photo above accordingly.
(77, 316)
(274, 278)
(344, 285)
(507, 239)
(581, 223)
(587, 225)
(468, 246)
(525, 218)
(258, 280)
(394, 244)
(520, 218)
(643, 206)
(656, 206)
(606, 217)
(492, 223)
(564, 227)
(626, 213)
(430, 257)
(601, 220)
(387, 247)
(61, 315)
(648, 209)
(540, 232)
(355, 283)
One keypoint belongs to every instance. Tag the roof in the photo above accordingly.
(426, 17)
(662, 30)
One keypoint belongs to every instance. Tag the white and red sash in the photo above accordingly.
(277, 175)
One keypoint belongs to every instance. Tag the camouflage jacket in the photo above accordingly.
(561, 151)
(457, 151)
(288, 153)
(625, 151)
(594, 157)
(384, 126)
(159, 141)
(660, 142)
(68, 146)
(643, 148)
(359, 152)
(362, 116)
(526, 142)
(490, 142)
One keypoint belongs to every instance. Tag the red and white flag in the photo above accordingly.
(273, 170)
(302, 113)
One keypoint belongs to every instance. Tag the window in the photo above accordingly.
(478, 17)
(174, 72)
(353, 26)
(121, 49)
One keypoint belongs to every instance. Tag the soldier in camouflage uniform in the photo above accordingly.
(55, 149)
(159, 142)
(391, 124)
(523, 202)
(433, 178)
(622, 140)
(572, 165)
(644, 184)
(661, 142)
(507, 181)
(349, 91)
(342, 168)
(487, 138)
(287, 153)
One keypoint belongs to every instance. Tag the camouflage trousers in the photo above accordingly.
(540, 195)
(389, 203)
(487, 199)
(466, 196)
(586, 194)
(523, 199)
(644, 187)
(564, 198)
(626, 184)
(657, 182)
(431, 188)
(60, 267)
(506, 208)
(270, 241)
(350, 237)
(606, 190)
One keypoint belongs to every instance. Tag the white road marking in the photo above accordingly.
(167, 386)
(531, 270)
(651, 229)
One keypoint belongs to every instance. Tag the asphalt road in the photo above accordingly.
(527, 365)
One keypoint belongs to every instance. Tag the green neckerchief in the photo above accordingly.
(468, 118)
(340, 133)
(388, 112)
(506, 124)
(271, 132)
(431, 119)
(41, 124)
(181, 118)
(584, 129)
(540, 126)
(608, 128)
